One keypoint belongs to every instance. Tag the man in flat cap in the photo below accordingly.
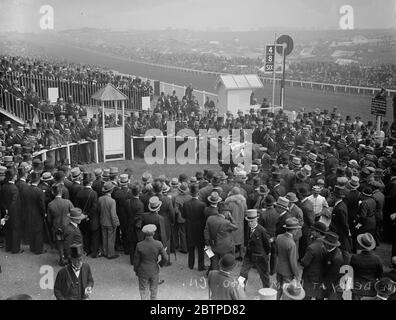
(145, 262)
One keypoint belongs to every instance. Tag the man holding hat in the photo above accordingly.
(257, 250)
(74, 282)
(108, 220)
(218, 235)
(145, 262)
(286, 254)
(222, 285)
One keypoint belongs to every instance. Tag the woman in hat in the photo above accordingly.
(238, 207)
(367, 267)
(222, 285)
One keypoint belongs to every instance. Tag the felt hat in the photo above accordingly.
(214, 197)
(291, 196)
(292, 223)
(227, 262)
(366, 241)
(108, 187)
(76, 214)
(331, 238)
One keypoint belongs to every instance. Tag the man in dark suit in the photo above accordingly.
(87, 201)
(35, 213)
(134, 210)
(257, 249)
(146, 262)
(309, 219)
(22, 186)
(120, 195)
(218, 235)
(286, 254)
(97, 185)
(333, 263)
(76, 186)
(72, 233)
(367, 267)
(193, 211)
(10, 194)
(222, 286)
(339, 222)
(352, 198)
(313, 263)
(58, 209)
(74, 282)
(167, 212)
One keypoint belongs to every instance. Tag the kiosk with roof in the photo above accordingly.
(113, 144)
(234, 92)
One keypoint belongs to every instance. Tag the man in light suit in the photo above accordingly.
(145, 262)
(286, 254)
(218, 235)
(108, 220)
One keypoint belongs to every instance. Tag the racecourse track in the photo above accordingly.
(296, 98)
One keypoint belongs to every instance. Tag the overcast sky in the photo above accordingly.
(24, 16)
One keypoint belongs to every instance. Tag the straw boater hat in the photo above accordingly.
(366, 241)
(214, 197)
(124, 179)
(283, 203)
(75, 173)
(353, 183)
(76, 214)
(98, 172)
(165, 188)
(251, 215)
(154, 204)
(254, 169)
(47, 176)
(174, 182)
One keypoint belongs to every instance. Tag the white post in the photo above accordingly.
(68, 153)
(96, 151)
(123, 126)
(273, 78)
(103, 132)
(132, 150)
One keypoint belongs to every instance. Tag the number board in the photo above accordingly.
(269, 58)
(378, 107)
